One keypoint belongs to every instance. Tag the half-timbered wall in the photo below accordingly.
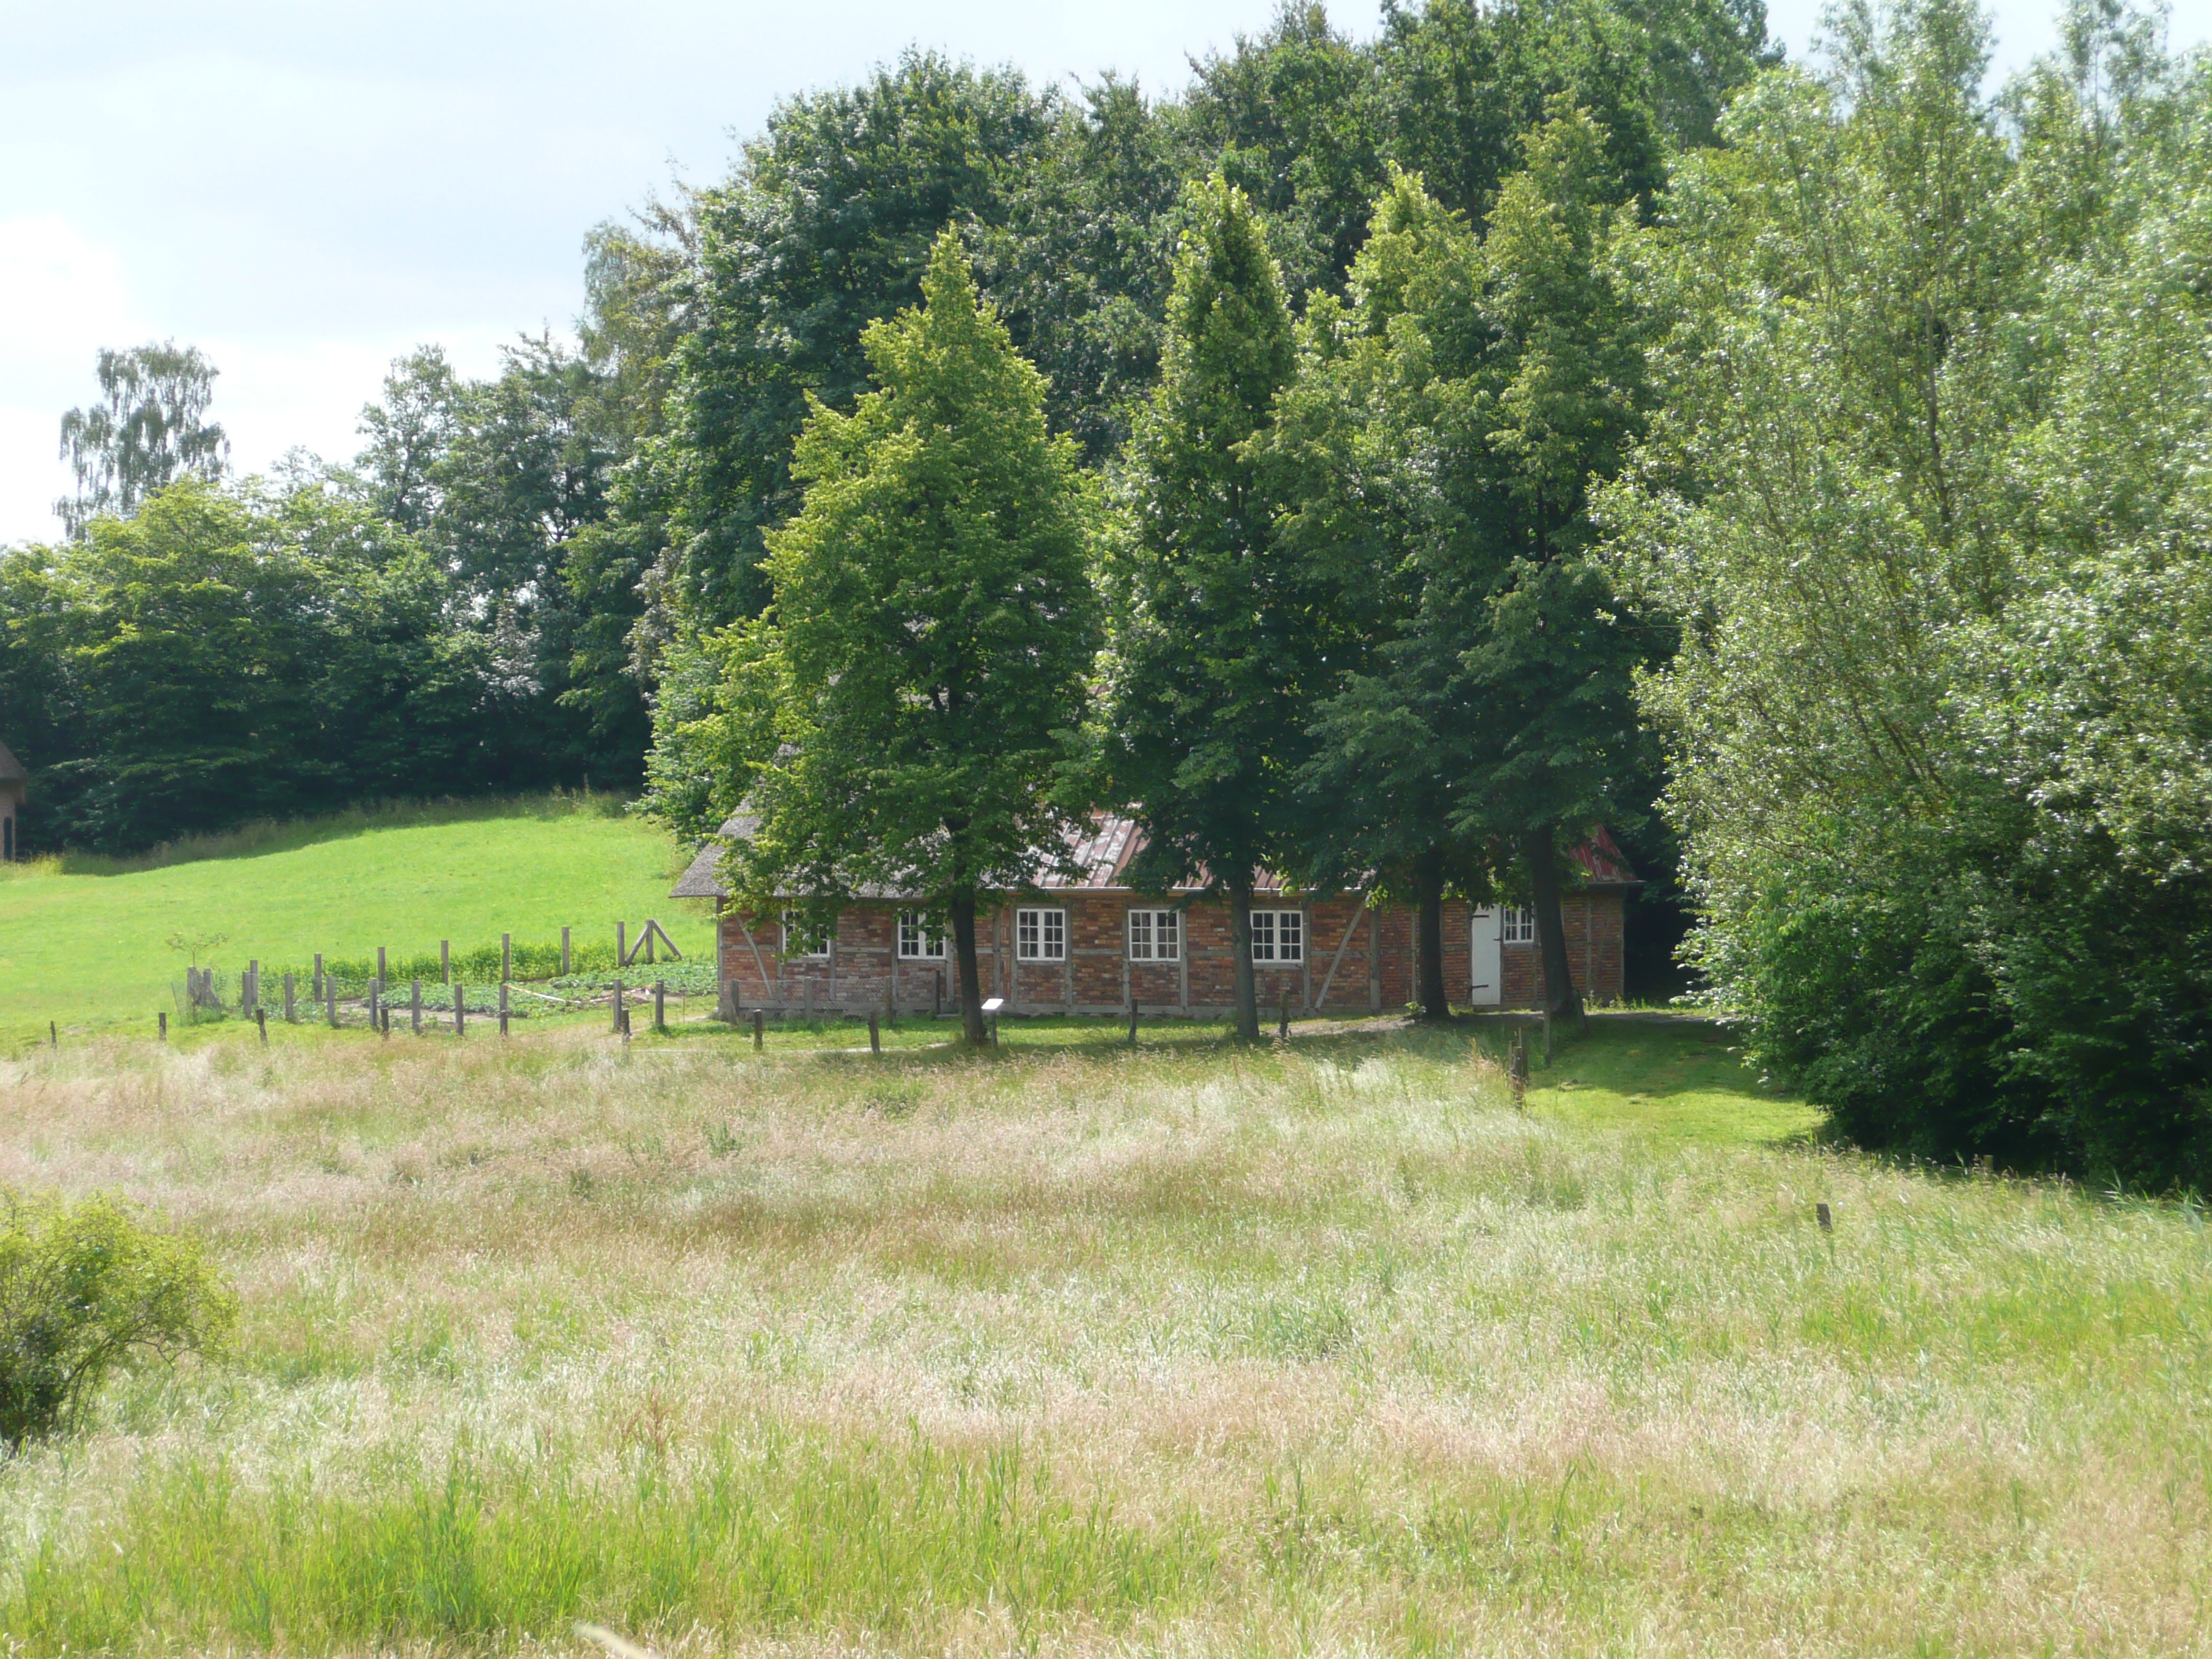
(1357, 957)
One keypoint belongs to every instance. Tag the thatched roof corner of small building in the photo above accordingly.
(11, 769)
(703, 877)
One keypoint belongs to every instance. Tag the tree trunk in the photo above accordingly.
(972, 1029)
(1561, 999)
(1429, 956)
(1240, 948)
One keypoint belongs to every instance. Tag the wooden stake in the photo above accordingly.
(291, 1009)
(506, 958)
(261, 1020)
(620, 1023)
(331, 999)
(759, 1026)
(460, 1010)
(381, 975)
(163, 1018)
(415, 1008)
(502, 1008)
(875, 1035)
(660, 1005)
(1133, 1025)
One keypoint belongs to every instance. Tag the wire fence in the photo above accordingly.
(503, 982)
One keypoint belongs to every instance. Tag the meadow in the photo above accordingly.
(1321, 1348)
(95, 944)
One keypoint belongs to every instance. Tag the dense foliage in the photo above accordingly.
(1431, 389)
(900, 714)
(1930, 510)
(84, 1288)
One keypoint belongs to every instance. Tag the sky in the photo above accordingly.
(307, 191)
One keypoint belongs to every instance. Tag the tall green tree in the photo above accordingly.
(922, 666)
(1361, 455)
(1548, 679)
(1212, 627)
(149, 428)
(1293, 116)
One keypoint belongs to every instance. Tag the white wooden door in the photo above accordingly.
(1486, 961)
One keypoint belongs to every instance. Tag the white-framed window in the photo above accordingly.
(1516, 925)
(799, 944)
(1278, 936)
(1040, 935)
(916, 943)
(1155, 935)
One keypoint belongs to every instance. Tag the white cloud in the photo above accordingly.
(63, 296)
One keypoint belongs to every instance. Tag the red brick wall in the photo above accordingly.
(1373, 969)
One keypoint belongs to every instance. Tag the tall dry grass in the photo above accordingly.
(1327, 1350)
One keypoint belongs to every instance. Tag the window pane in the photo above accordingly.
(1141, 935)
(1291, 933)
(1263, 936)
(1041, 935)
(1169, 927)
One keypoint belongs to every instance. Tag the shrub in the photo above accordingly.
(84, 1288)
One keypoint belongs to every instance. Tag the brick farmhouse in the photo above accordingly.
(1093, 944)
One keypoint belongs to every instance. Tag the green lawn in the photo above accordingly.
(91, 952)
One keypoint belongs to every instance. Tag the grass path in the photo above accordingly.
(91, 950)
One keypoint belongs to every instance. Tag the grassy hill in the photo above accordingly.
(87, 943)
(1319, 1348)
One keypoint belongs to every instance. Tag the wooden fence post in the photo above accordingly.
(330, 1000)
(381, 975)
(660, 1005)
(318, 975)
(618, 1006)
(414, 1007)
(648, 941)
(759, 1026)
(291, 1010)
(163, 1017)
(261, 1023)
(253, 996)
(503, 1007)
(506, 958)
(1133, 1025)
(875, 1035)
(460, 1010)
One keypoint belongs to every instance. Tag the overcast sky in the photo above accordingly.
(306, 191)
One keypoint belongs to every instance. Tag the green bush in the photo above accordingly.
(84, 1288)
